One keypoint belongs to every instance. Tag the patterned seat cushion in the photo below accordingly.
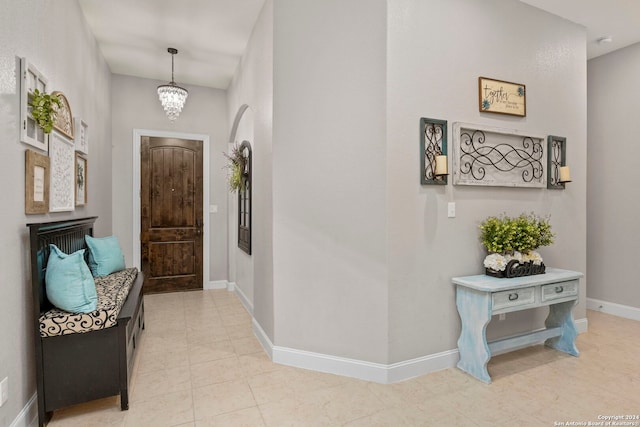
(112, 292)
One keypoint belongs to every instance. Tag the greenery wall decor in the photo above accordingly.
(42, 108)
(236, 163)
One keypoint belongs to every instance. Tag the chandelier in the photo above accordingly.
(171, 95)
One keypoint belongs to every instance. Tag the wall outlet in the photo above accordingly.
(502, 316)
(4, 391)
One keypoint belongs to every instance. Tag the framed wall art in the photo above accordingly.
(81, 180)
(498, 96)
(30, 80)
(81, 135)
(62, 175)
(36, 189)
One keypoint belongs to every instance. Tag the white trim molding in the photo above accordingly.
(368, 371)
(582, 325)
(242, 296)
(614, 309)
(231, 287)
(216, 284)
(28, 417)
(263, 338)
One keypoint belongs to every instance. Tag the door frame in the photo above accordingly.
(137, 138)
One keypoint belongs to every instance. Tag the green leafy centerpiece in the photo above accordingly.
(512, 244)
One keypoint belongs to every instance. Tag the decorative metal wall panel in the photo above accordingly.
(557, 157)
(433, 142)
(497, 157)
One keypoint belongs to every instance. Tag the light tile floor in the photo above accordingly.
(199, 364)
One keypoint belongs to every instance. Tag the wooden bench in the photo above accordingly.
(80, 367)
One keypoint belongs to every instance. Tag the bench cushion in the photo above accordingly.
(112, 292)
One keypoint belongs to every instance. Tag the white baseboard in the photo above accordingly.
(231, 287)
(368, 371)
(216, 284)
(619, 310)
(421, 366)
(263, 338)
(353, 368)
(243, 298)
(28, 417)
(582, 325)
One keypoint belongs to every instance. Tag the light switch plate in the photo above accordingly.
(451, 210)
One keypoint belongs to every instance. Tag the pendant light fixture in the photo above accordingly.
(171, 95)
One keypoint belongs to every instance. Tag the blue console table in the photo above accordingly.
(480, 297)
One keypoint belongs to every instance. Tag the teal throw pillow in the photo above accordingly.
(69, 282)
(105, 255)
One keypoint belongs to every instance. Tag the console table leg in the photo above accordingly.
(475, 313)
(560, 315)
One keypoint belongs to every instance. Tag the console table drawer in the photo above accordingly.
(513, 298)
(559, 290)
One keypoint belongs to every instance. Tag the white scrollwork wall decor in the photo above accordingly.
(491, 156)
(62, 186)
(63, 120)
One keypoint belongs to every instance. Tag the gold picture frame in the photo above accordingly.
(501, 97)
(36, 194)
(81, 180)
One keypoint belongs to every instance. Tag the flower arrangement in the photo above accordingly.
(236, 162)
(511, 242)
(42, 108)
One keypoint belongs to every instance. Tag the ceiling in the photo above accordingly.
(211, 35)
(618, 19)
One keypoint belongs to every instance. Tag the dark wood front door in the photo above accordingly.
(171, 214)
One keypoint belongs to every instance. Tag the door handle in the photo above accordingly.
(198, 227)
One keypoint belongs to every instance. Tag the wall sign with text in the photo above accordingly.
(497, 96)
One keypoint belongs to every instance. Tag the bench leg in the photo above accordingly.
(124, 400)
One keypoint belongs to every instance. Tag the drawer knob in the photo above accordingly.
(559, 289)
(513, 297)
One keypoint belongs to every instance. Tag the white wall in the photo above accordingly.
(253, 86)
(241, 264)
(613, 173)
(436, 52)
(55, 38)
(135, 105)
(363, 254)
(329, 177)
